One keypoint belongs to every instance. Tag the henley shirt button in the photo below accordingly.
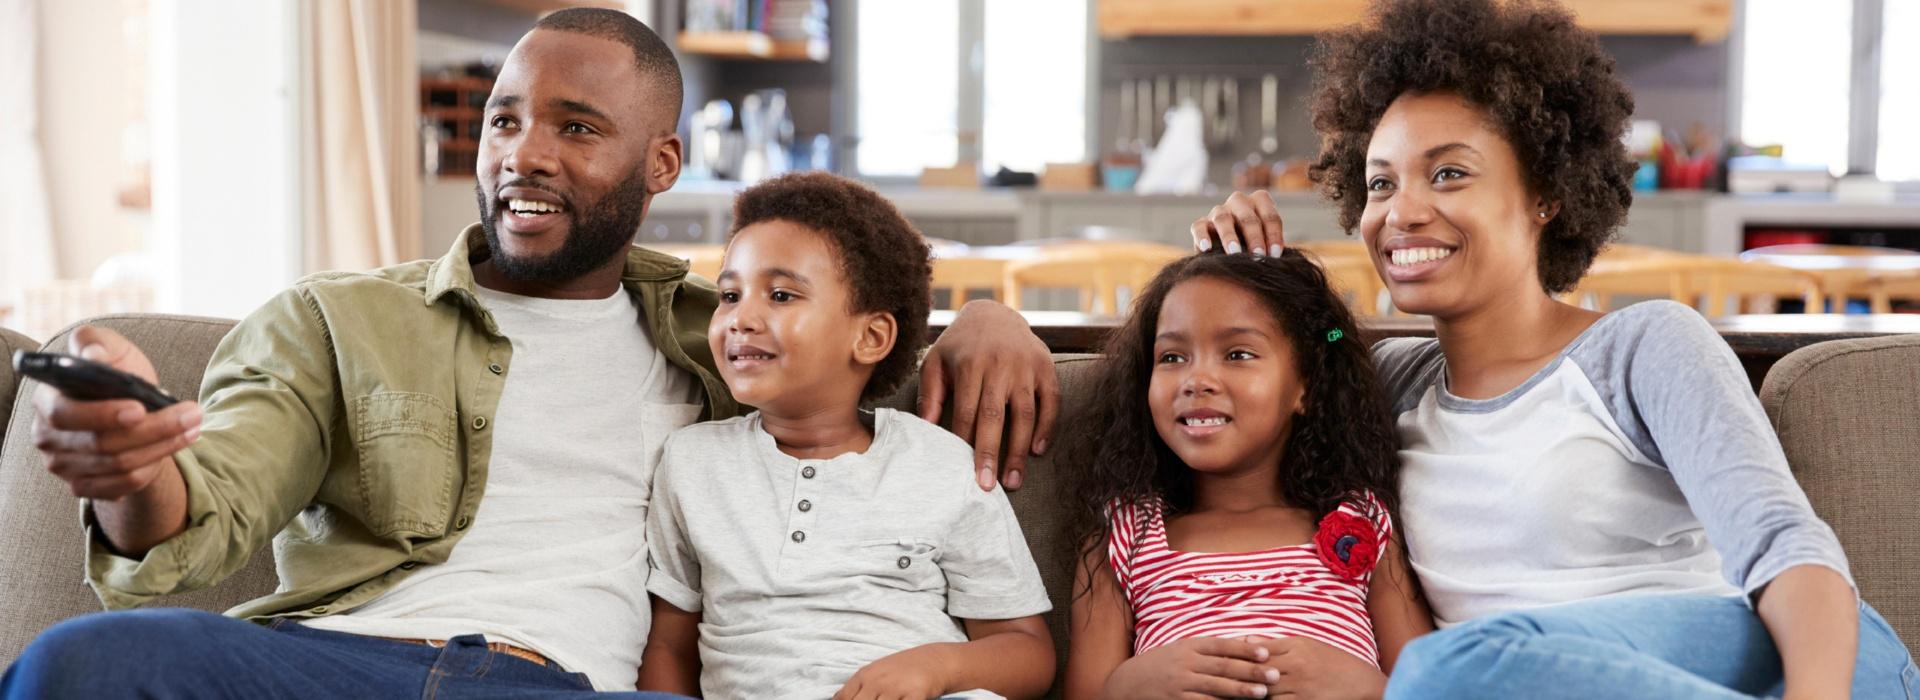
(495, 368)
(806, 506)
(322, 610)
(799, 536)
(806, 472)
(904, 562)
(479, 422)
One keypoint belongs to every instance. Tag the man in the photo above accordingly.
(452, 459)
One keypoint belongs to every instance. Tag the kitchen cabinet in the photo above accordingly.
(1704, 20)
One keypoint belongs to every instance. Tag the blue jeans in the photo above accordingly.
(178, 653)
(1674, 646)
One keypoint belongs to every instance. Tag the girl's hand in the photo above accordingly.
(1200, 667)
(1245, 222)
(908, 674)
(1312, 669)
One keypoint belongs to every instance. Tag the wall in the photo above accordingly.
(1675, 81)
(86, 79)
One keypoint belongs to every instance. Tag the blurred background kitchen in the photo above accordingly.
(196, 156)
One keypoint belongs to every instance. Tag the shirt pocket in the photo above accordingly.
(407, 471)
(902, 563)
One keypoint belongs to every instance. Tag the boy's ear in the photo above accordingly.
(878, 331)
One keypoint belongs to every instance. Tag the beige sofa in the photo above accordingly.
(1848, 412)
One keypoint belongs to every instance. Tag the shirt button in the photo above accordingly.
(806, 506)
(479, 422)
(806, 472)
(904, 562)
(322, 610)
(495, 368)
(407, 566)
(799, 536)
(462, 523)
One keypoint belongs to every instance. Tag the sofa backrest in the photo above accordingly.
(42, 557)
(1848, 414)
(9, 382)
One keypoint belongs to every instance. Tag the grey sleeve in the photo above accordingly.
(675, 575)
(1407, 367)
(1681, 396)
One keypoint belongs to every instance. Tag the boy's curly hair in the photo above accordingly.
(1342, 445)
(885, 260)
(1543, 82)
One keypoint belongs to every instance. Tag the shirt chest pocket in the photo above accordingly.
(904, 564)
(405, 443)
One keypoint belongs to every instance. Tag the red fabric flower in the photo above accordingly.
(1347, 544)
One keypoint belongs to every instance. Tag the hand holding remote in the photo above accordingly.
(107, 450)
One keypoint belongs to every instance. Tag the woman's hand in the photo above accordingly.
(1198, 667)
(992, 365)
(1313, 669)
(1248, 222)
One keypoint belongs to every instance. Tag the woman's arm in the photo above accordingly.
(1810, 611)
(1393, 601)
(1100, 629)
(671, 662)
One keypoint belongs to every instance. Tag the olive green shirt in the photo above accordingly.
(347, 421)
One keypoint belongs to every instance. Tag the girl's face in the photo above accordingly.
(1450, 223)
(1224, 388)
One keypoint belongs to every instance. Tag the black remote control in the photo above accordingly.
(87, 380)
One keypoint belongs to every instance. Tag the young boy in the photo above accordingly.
(812, 549)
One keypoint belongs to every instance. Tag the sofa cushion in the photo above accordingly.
(1848, 414)
(42, 574)
(9, 382)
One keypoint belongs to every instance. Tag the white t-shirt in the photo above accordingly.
(555, 560)
(805, 571)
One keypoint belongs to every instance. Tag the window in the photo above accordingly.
(1833, 88)
(1018, 100)
(1898, 157)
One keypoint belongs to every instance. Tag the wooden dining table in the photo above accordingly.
(1758, 340)
(1844, 271)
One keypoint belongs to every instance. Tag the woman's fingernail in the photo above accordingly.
(1274, 250)
(986, 478)
(190, 419)
(1206, 244)
(1013, 481)
(1233, 247)
(1040, 447)
(193, 435)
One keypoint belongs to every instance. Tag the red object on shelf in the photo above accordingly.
(1763, 237)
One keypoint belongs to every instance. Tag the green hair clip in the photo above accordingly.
(1335, 335)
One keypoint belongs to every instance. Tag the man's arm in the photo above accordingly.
(671, 662)
(1001, 379)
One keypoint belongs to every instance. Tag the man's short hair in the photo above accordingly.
(650, 54)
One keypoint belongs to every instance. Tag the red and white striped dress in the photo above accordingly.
(1280, 592)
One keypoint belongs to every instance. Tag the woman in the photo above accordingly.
(1594, 504)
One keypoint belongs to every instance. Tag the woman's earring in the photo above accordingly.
(1543, 215)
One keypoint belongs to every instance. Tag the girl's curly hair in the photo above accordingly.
(1343, 444)
(1544, 83)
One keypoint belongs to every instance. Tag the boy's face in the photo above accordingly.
(784, 337)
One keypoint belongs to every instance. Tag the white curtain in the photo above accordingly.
(363, 139)
(26, 231)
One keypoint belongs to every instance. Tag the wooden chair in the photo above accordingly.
(1884, 288)
(958, 275)
(1707, 284)
(702, 259)
(1096, 270)
(1657, 277)
(1629, 251)
(1356, 281)
(1755, 287)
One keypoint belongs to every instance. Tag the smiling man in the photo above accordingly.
(452, 459)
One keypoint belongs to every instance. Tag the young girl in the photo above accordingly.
(1232, 508)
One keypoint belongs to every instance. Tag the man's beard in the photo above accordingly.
(595, 233)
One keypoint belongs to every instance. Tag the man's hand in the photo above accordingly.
(912, 674)
(994, 367)
(108, 450)
(1312, 669)
(1197, 667)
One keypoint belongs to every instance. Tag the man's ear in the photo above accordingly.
(878, 331)
(663, 163)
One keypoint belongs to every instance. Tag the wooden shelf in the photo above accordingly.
(543, 7)
(751, 46)
(1704, 20)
